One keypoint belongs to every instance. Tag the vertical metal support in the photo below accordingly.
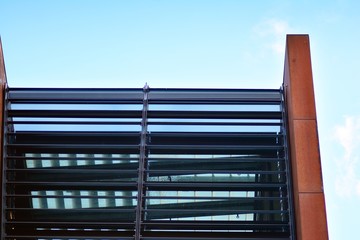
(142, 167)
(3, 160)
(3, 104)
(289, 184)
(309, 200)
(280, 167)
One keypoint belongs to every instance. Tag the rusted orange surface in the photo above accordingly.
(299, 77)
(310, 214)
(307, 156)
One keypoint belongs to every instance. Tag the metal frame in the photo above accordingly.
(228, 160)
(3, 104)
(289, 181)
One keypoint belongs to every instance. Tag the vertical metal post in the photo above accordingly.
(3, 104)
(142, 167)
(289, 183)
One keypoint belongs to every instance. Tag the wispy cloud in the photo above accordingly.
(274, 30)
(348, 136)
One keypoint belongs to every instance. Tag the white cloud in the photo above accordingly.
(347, 182)
(275, 31)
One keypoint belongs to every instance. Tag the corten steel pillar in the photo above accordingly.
(2, 94)
(310, 215)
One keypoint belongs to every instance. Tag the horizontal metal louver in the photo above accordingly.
(147, 164)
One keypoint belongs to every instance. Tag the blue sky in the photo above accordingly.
(198, 43)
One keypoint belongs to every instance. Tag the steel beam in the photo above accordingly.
(3, 85)
(303, 138)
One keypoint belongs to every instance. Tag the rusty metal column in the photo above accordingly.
(142, 167)
(310, 214)
(3, 84)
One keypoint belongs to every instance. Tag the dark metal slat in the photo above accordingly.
(151, 114)
(214, 186)
(75, 113)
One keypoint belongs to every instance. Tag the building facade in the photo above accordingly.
(164, 163)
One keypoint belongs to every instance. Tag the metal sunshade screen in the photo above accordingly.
(146, 164)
